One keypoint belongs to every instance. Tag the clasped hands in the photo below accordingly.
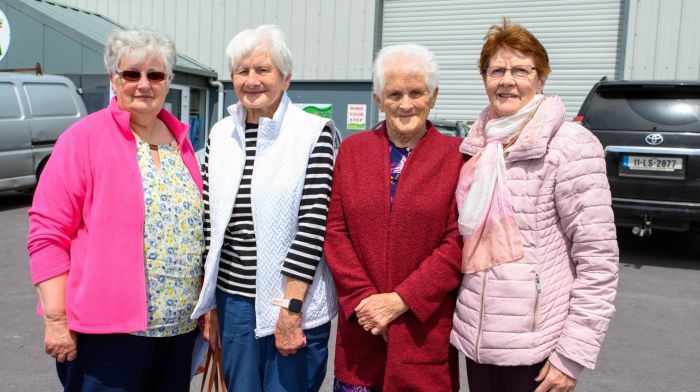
(376, 312)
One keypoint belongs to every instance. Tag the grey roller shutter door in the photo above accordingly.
(583, 39)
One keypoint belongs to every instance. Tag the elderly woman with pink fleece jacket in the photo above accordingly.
(116, 233)
(540, 253)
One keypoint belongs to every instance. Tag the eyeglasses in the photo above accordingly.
(135, 76)
(518, 72)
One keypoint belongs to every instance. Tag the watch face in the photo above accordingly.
(295, 305)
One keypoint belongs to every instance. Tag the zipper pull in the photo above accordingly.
(538, 286)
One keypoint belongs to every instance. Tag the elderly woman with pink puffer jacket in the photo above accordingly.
(540, 253)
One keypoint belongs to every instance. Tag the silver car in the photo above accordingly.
(454, 128)
(34, 111)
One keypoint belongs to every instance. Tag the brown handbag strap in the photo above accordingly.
(214, 369)
(220, 365)
(206, 370)
(213, 377)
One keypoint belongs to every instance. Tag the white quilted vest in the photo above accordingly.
(284, 145)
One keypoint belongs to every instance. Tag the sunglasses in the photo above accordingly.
(135, 76)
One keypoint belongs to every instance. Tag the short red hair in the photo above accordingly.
(514, 37)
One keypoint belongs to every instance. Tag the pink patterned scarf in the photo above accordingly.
(486, 219)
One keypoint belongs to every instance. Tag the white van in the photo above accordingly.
(34, 111)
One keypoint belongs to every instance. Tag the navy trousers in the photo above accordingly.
(129, 363)
(255, 365)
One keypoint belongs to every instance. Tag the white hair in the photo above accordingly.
(409, 58)
(139, 43)
(266, 39)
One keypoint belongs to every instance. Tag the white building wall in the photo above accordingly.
(582, 38)
(330, 40)
(663, 40)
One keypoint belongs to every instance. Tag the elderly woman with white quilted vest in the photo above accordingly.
(540, 256)
(267, 296)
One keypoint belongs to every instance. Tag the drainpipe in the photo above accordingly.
(220, 100)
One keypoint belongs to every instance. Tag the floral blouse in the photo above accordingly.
(173, 241)
(397, 160)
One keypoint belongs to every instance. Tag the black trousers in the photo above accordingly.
(494, 378)
(129, 363)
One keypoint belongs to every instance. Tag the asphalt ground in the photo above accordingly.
(653, 343)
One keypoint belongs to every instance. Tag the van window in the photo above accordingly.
(645, 108)
(9, 106)
(50, 100)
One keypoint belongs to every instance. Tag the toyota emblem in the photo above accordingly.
(654, 139)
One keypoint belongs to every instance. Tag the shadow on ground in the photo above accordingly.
(662, 249)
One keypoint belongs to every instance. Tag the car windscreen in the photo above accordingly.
(645, 108)
(446, 130)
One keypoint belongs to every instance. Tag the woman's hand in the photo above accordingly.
(211, 329)
(377, 311)
(59, 341)
(289, 337)
(552, 379)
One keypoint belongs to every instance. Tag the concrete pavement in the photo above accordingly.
(653, 343)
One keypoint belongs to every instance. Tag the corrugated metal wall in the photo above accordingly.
(582, 38)
(330, 40)
(663, 42)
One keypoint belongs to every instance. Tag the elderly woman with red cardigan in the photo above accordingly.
(392, 242)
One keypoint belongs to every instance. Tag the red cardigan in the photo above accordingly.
(413, 249)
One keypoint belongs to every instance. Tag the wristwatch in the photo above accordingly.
(293, 305)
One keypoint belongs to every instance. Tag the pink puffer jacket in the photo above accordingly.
(555, 302)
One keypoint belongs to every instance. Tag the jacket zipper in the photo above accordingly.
(538, 288)
(481, 316)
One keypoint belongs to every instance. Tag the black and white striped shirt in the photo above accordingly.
(238, 262)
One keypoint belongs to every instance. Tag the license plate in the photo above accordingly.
(664, 164)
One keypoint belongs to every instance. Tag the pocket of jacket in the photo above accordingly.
(538, 291)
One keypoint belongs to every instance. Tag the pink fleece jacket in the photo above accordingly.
(87, 220)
